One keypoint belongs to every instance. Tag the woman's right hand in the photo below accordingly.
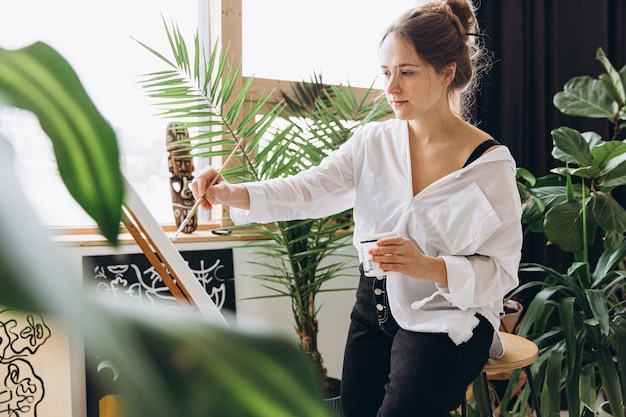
(219, 191)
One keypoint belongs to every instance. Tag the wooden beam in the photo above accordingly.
(263, 86)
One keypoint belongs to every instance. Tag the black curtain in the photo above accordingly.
(537, 46)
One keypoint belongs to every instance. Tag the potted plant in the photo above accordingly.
(296, 130)
(183, 365)
(577, 316)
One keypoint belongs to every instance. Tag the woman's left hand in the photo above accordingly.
(399, 254)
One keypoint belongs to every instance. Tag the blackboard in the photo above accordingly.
(132, 277)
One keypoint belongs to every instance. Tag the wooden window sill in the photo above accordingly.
(90, 236)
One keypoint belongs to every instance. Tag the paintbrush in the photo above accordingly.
(195, 206)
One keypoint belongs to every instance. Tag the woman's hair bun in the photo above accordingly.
(461, 12)
(464, 11)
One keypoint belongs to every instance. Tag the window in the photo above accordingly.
(281, 40)
(287, 40)
(96, 38)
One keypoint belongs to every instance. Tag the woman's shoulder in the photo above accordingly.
(494, 158)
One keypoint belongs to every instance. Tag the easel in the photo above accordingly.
(165, 258)
(171, 267)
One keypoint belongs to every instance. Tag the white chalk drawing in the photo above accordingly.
(133, 278)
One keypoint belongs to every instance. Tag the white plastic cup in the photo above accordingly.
(371, 268)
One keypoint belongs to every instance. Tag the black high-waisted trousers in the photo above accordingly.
(391, 372)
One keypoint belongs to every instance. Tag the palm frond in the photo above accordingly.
(203, 96)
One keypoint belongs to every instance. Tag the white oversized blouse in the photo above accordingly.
(471, 218)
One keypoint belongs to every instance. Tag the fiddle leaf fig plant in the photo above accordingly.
(577, 317)
(169, 365)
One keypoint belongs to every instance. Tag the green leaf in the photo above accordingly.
(610, 157)
(619, 338)
(536, 306)
(249, 373)
(185, 92)
(587, 387)
(585, 96)
(551, 398)
(610, 380)
(590, 172)
(611, 81)
(569, 189)
(613, 172)
(571, 147)
(25, 282)
(599, 308)
(605, 151)
(566, 315)
(526, 175)
(611, 89)
(38, 79)
(620, 348)
(611, 240)
(563, 226)
(579, 271)
(608, 213)
(551, 195)
(572, 374)
(510, 391)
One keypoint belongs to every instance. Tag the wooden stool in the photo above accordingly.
(519, 352)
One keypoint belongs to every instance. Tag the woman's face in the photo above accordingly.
(413, 88)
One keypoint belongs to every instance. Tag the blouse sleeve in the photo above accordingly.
(319, 191)
(491, 271)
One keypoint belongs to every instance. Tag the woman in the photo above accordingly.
(420, 333)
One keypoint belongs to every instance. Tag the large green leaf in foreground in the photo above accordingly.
(169, 365)
(38, 79)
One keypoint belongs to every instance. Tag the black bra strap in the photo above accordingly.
(480, 149)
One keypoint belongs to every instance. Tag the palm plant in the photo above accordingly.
(282, 134)
(183, 365)
(295, 252)
(578, 318)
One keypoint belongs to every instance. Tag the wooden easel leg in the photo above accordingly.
(109, 406)
(154, 260)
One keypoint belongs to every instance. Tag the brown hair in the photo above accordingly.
(445, 32)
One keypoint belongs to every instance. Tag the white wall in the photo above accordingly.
(334, 316)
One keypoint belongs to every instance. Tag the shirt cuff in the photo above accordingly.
(461, 282)
(258, 212)
(239, 216)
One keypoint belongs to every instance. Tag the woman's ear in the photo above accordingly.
(448, 74)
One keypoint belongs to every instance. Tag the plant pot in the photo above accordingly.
(512, 314)
(333, 397)
(604, 410)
